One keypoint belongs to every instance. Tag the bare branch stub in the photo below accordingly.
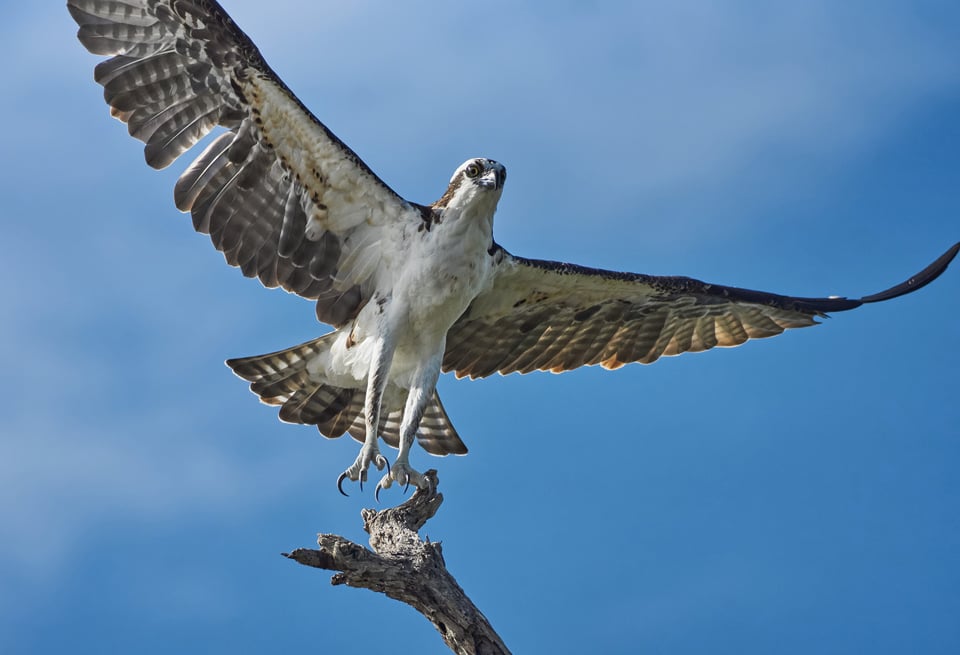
(407, 569)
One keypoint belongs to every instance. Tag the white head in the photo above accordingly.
(483, 172)
(477, 180)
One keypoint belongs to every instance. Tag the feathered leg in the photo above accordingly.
(376, 382)
(420, 395)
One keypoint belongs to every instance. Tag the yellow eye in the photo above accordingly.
(472, 170)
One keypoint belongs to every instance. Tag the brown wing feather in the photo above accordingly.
(541, 315)
(178, 69)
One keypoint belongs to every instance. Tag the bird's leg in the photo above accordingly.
(376, 382)
(425, 381)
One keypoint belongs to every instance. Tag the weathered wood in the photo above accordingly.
(407, 569)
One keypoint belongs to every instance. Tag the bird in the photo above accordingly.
(411, 290)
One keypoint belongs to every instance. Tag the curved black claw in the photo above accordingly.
(343, 476)
(386, 462)
(406, 487)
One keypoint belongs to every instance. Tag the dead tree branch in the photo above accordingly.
(407, 569)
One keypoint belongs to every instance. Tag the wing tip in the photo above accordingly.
(918, 281)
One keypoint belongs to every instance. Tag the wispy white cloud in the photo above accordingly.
(103, 415)
(60, 479)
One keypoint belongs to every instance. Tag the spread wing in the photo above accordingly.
(279, 194)
(541, 315)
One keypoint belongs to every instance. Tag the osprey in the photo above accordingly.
(411, 289)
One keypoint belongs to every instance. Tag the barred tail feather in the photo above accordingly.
(276, 376)
(437, 434)
(281, 378)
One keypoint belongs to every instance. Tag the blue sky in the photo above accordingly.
(794, 495)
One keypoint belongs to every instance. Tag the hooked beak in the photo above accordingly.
(490, 180)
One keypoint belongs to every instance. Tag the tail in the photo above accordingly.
(282, 378)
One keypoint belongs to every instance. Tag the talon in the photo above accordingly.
(384, 483)
(387, 463)
(343, 476)
(406, 486)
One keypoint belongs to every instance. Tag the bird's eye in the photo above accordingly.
(472, 170)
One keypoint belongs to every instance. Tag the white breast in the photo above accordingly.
(419, 298)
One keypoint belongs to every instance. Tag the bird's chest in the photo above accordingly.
(424, 292)
(443, 276)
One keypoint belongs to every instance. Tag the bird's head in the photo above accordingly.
(482, 172)
(477, 180)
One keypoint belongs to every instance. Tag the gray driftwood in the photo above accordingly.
(407, 569)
